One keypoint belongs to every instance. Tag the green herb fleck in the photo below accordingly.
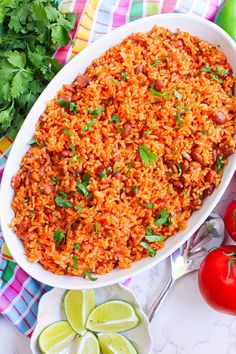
(216, 77)
(63, 194)
(150, 205)
(146, 155)
(74, 259)
(31, 215)
(89, 125)
(151, 250)
(120, 129)
(222, 71)
(115, 170)
(158, 94)
(155, 63)
(179, 169)
(219, 163)
(95, 112)
(59, 237)
(77, 247)
(25, 200)
(89, 276)
(79, 208)
(185, 192)
(61, 202)
(134, 190)
(33, 142)
(123, 75)
(148, 132)
(116, 81)
(115, 119)
(104, 172)
(164, 218)
(54, 179)
(204, 132)
(96, 227)
(170, 173)
(178, 95)
(206, 69)
(54, 212)
(151, 237)
(69, 105)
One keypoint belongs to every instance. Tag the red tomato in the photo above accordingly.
(230, 219)
(217, 279)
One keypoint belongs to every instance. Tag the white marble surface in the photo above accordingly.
(184, 324)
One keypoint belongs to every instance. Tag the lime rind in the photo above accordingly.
(55, 337)
(88, 344)
(78, 304)
(112, 316)
(115, 343)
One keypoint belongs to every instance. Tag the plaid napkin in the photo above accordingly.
(20, 294)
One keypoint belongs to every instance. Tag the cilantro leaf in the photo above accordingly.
(115, 119)
(61, 202)
(70, 105)
(216, 77)
(123, 75)
(147, 156)
(155, 63)
(74, 259)
(82, 186)
(89, 276)
(219, 163)
(178, 95)
(59, 237)
(77, 246)
(79, 208)
(164, 218)
(158, 94)
(151, 250)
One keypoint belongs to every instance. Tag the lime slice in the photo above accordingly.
(78, 304)
(87, 344)
(112, 316)
(55, 337)
(115, 343)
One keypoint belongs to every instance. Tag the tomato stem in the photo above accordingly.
(232, 258)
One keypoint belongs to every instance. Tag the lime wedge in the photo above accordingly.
(115, 343)
(78, 304)
(87, 344)
(112, 316)
(55, 337)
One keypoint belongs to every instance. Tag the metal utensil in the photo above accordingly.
(189, 256)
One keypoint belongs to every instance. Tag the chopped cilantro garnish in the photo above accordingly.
(219, 163)
(74, 158)
(77, 247)
(150, 205)
(54, 212)
(67, 132)
(180, 116)
(54, 179)
(79, 208)
(116, 81)
(134, 190)
(74, 259)
(124, 75)
(179, 168)
(216, 77)
(96, 227)
(33, 142)
(155, 63)
(158, 94)
(59, 237)
(184, 192)
(204, 132)
(89, 125)
(115, 170)
(89, 276)
(115, 119)
(152, 238)
(170, 173)
(164, 218)
(61, 202)
(146, 155)
(25, 200)
(206, 69)
(82, 186)
(147, 132)
(151, 250)
(222, 71)
(120, 129)
(63, 194)
(104, 172)
(178, 95)
(95, 112)
(70, 105)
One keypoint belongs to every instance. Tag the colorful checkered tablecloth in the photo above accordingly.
(20, 294)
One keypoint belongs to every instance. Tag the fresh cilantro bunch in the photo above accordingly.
(30, 32)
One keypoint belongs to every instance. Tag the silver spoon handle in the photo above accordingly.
(155, 306)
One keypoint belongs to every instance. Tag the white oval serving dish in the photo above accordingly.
(192, 24)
